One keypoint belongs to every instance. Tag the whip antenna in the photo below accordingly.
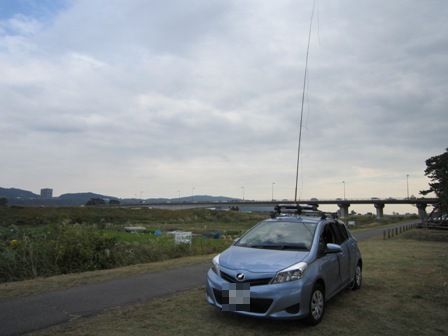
(303, 99)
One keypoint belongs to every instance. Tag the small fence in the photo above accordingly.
(389, 233)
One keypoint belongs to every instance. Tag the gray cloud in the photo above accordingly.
(118, 97)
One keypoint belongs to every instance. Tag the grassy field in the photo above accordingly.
(405, 292)
(195, 220)
(43, 242)
(370, 221)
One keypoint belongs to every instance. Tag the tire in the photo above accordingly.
(357, 278)
(316, 305)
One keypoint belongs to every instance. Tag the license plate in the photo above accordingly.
(236, 296)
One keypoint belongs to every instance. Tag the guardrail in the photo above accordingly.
(392, 232)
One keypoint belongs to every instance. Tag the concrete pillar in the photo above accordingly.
(422, 211)
(343, 209)
(379, 210)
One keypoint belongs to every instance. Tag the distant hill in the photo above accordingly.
(84, 196)
(195, 198)
(17, 193)
(27, 198)
(206, 198)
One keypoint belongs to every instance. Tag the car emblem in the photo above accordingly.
(240, 276)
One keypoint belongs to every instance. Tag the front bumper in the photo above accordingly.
(287, 300)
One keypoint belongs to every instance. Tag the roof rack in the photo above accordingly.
(297, 209)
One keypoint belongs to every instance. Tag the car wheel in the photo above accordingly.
(357, 279)
(317, 305)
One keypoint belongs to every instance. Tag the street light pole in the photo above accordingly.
(192, 193)
(407, 185)
(273, 191)
(343, 182)
(244, 191)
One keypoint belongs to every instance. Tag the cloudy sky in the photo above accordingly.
(156, 98)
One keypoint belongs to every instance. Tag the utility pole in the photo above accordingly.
(407, 186)
(273, 191)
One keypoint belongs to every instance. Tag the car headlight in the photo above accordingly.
(215, 264)
(293, 272)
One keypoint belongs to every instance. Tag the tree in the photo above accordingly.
(437, 171)
(114, 202)
(96, 201)
(3, 201)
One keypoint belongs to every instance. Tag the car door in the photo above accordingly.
(329, 263)
(353, 248)
(346, 256)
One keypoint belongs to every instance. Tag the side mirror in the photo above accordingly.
(333, 248)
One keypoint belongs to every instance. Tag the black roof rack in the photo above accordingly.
(297, 209)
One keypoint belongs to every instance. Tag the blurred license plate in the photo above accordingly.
(236, 296)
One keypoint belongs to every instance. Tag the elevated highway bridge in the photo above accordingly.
(343, 204)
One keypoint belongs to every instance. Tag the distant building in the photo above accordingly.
(46, 193)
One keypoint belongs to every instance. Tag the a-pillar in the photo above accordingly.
(379, 210)
(343, 209)
(422, 211)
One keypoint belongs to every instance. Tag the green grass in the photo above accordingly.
(405, 292)
(36, 242)
(195, 220)
(62, 249)
(426, 235)
(370, 221)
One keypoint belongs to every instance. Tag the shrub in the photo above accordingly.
(66, 248)
(55, 250)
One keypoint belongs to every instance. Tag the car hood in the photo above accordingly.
(259, 260)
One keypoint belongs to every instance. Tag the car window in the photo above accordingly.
(343, 231)
(279, 235)
(339, 235)
(328, 235)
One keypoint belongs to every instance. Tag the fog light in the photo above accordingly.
(294, 309)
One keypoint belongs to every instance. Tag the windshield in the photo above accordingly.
(281, 235)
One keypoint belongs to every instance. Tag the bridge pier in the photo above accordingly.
(422, 211)
(343, 209)
(379, 210)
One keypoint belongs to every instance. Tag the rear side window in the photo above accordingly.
(343, 231)
(328, 235)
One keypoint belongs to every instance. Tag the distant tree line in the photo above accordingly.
(100, 201)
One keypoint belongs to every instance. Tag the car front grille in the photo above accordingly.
(257, 305)
(252, 282)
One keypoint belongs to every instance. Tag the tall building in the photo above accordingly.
(46, 193)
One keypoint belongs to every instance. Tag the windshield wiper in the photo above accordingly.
(299, 247)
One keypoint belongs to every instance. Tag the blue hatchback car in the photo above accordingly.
(286, 267)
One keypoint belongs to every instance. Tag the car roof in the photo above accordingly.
(297, 218)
